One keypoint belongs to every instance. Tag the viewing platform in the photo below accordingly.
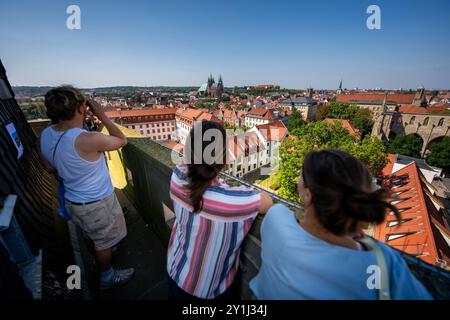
(141, 173)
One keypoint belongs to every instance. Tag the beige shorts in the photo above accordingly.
(102, 221)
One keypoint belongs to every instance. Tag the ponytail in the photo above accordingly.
(201, 175)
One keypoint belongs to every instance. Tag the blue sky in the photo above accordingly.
(292, 43)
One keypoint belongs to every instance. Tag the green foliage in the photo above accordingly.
(337, 111)
(342, 110)
(370, 151)
(271, 183)
(408, 145)
(440, 154)
(321, 135)
(204, 104)
(34, 111)
(228, 126)
(295, 120)
(322, 112)
(137, 98)
(241, 107)
(362, 120)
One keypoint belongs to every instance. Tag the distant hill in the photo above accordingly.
(39, 91)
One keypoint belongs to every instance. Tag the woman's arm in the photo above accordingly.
(266, 203)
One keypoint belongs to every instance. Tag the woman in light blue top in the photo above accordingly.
(324, 256)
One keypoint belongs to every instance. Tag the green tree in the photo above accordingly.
(35, 110)
(440, 154)
(337, 111)
(321, 135)
(362, 120)
(342, 110)
(322, 112)
(295, 120)
(408, 145)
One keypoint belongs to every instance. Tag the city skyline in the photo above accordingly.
(293, 44)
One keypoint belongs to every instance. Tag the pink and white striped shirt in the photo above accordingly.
(204, 247)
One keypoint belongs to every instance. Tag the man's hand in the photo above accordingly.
(96, 109)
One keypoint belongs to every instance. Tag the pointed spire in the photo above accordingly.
(340, 85)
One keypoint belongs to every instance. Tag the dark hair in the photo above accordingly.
(201, 172)
(62, 102)
(343, 192)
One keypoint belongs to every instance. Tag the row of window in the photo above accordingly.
(145, 118)
(159, 137)
(163, 130)
(425, 121)
(140, 126)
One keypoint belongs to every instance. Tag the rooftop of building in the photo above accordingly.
(422, 230)
(440, 108)
(139, 112)
(347, 125)
(275, 131)
(378, 97)
(298, 101)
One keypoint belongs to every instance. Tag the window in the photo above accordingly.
(412, 120)
(441, 122)
(394, 236)
(425, 121)
(394, 223)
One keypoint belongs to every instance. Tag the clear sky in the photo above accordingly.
(293, 43)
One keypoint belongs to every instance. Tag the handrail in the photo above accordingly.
(271, 194)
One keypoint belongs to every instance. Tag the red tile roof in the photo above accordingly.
(347, 125)
(400, 98)
(189, 113)
(409, 108)
(392, 158)
(141, 112)
(420, 232)
(269, 115)
(257, 112)
(275, 131)
(437, 108)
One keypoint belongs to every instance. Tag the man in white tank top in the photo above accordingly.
(77, 156)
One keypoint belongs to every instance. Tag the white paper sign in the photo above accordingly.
(15, 138)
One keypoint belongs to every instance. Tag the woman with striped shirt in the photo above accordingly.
(211, 220)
